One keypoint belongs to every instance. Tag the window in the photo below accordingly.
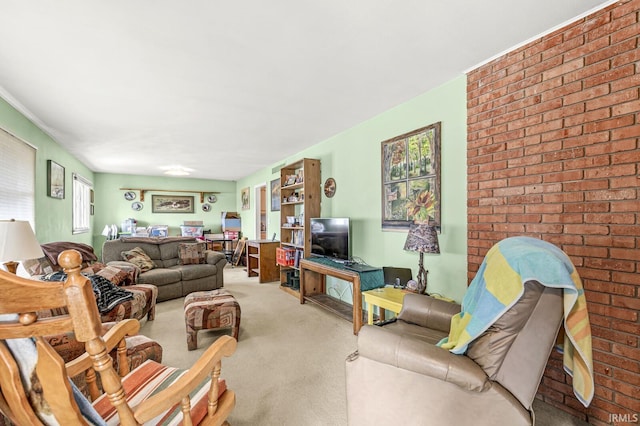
(81, 204)
(17, 178)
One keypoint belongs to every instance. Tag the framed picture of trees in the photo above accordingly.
(411, 178)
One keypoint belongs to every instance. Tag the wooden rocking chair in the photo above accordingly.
(34, 381)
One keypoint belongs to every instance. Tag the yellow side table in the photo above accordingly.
(388, 298)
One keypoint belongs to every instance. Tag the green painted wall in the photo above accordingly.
(52, 216)
(111, 206)
(353, 159)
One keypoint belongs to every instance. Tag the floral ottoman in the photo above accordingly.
(207, 310)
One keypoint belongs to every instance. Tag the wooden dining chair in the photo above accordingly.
(34, 381)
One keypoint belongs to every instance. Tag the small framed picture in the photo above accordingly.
(244, 197)
(291, 180)
(275, 195)
(55, 180)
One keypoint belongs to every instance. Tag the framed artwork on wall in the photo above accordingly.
(275, 195)
(244, 196)
(411, 178)
(172, 204)
(55, 180)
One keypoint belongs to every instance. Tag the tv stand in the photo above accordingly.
(313, 288)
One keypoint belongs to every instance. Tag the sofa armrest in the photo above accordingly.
(112, 337)
(66, 345)
(416, 355)
(215, 257)
(428, 312)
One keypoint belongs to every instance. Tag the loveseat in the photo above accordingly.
(140, 303)
(174, 275)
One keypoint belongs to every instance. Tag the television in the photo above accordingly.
(331, 237)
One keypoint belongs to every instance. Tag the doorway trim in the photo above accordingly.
(260, 191)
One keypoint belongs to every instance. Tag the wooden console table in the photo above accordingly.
(313, 289)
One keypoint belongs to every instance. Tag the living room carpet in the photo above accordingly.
(289, 367)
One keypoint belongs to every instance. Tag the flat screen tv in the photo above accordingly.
(331, 237)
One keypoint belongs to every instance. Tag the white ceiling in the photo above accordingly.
(227, 88)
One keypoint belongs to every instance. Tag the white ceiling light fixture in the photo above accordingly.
(177, 171)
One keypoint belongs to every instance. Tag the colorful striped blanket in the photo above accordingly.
(499, 284)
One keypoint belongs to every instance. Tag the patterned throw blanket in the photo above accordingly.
(107, 294)
(499, 284)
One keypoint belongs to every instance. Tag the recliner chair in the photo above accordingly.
(399, 376)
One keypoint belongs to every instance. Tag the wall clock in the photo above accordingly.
(129, 195)
(137, 206)
(330, 187)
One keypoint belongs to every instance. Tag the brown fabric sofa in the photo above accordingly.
(172, 279)
(142, 304)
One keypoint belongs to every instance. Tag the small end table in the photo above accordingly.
(385, 298)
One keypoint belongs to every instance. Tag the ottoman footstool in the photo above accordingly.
(207, 310)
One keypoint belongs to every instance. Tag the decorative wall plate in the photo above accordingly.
(330, 187)
(137, 206)
(206, 207)
(212, 199)
(129, 195)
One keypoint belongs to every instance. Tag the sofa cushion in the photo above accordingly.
(138, 257)
(149, 379)
(194, 272)
(161, 276)
(192, 253)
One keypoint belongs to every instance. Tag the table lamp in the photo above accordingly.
(422, 238)
(107, 231)
(17, 242)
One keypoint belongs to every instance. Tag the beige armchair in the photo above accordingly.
(399, 376)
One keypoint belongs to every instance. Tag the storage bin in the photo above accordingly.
(191, 231)
(285, 256)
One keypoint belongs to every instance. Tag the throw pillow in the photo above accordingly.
(93, 268)
(115, 275)
(192, 253)
(39, 266)
(138, 257)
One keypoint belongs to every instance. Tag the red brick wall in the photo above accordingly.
(553, 153)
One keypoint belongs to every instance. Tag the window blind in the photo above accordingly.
(17, 179)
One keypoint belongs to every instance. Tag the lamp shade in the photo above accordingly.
(17, 241)
(422, 238)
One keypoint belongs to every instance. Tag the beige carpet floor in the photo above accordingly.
(289, 365)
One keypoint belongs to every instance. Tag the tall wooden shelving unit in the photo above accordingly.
(300, 198)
